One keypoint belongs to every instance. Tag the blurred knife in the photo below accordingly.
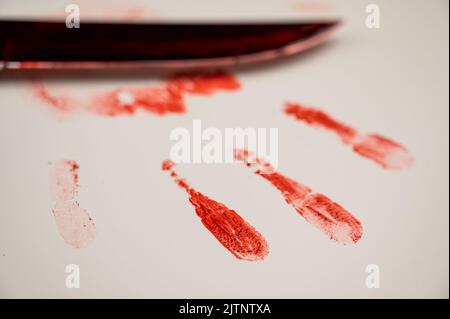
(47, 45)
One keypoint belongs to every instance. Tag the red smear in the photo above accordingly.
(59, 102)
(155, 100)
(203, 83)
(134, 14)
(74, 223)
(230, 229)
(33, 65)
(161, 100)
(319, 118)
(387, 153)
(383, 151)
(317, 209)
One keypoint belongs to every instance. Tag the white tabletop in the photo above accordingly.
(150, 243)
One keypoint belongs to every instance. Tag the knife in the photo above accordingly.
(51, 45)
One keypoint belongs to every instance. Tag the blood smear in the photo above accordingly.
(383, 151)
(205, 84)
(230, 229)
(317, 209)
(159, 100)
(59, 102)
(74, 223)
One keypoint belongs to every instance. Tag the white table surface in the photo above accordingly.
(150, 243)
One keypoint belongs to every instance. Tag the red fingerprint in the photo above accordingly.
(74, 223)
(230, 229)
(381, 150)
(317, 209)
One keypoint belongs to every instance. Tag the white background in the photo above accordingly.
(150, 243)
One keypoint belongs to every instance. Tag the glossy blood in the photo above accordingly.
(203, 83)
(230, 229)
(381, 150)
(74, 223)
(317, 209)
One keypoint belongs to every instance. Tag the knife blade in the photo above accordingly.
(50, 44)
